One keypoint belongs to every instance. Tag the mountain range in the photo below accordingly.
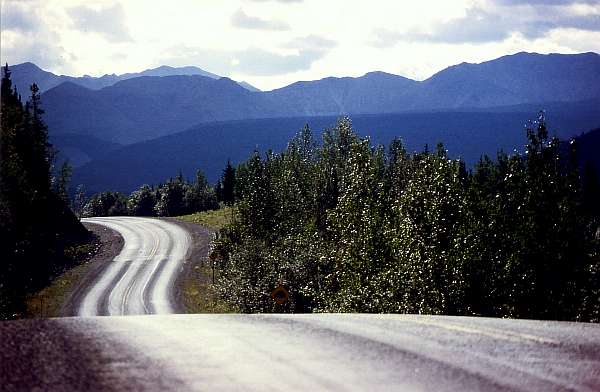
(24, 74)
(90, 118)
(147, 107)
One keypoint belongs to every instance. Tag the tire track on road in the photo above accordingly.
(140, 279)
(149, 283)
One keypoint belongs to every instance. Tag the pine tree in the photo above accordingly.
(228, 184)
(142, 202)
(79, 200)
(61, 183)
(35, 223)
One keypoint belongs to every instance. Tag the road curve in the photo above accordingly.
(140, 279)
(314, 352)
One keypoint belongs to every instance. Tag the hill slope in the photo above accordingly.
(147, 107)
(209, 146)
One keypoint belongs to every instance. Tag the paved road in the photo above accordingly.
(275, 352)
(140, 279)
(299, 352)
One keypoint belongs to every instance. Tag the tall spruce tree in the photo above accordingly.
(35, 223)
(228, 184)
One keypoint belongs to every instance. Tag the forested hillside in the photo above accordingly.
(37, 227)
(349, 227)
(208, 146)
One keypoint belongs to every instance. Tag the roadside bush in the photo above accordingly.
(352, 228)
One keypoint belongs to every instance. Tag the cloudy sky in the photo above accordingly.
(271, 43)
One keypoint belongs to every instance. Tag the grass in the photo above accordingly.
(199, 293)
(215, 219)
(49, 301)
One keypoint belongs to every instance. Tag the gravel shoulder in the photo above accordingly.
(193, 291)
(111, 244)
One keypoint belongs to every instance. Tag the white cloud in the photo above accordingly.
(481, 24)
(251, 62)
(242, 20)
(270, 43)
(277, 1)
(109, 22)
(312, 41)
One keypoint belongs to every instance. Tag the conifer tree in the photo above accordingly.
(35, 223)
(228, 184)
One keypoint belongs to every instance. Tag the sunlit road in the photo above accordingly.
(140, 279)
(312, 352)
(299, 353)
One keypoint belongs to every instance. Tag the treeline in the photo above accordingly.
(173, 198)
(347, 227)
(37, 228)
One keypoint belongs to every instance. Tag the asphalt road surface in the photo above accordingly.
(140, 279)
(275, 352)
(299, 353)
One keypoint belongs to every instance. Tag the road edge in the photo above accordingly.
(111, 245)
(196, 257)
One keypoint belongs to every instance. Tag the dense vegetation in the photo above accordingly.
(173, 198)
(352, 228)
(208, 146)
(37, 228)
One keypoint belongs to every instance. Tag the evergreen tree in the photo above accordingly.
(227, 184)
(171, 198)
(79, 200)
(142, 202)
(106, 204)
(61, 183)
(35, 223)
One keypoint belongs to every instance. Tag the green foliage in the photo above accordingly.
(106, 204)
(352, 228)
(142, 202)
(226, 187)
(36, 224)
(170, 200)
(173, 198)
(61, 183)
(79, 200)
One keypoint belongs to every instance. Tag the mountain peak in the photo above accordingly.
(27, 64)
(379, 73)
(166, 70)
(385, 76)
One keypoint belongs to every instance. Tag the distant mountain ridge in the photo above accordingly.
(23, 75)
(147, 107)
(155, 103)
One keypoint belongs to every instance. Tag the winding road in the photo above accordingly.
(140, 279)
(312, 352)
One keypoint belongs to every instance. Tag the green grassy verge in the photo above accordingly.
(215, 220)
(199, 293)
